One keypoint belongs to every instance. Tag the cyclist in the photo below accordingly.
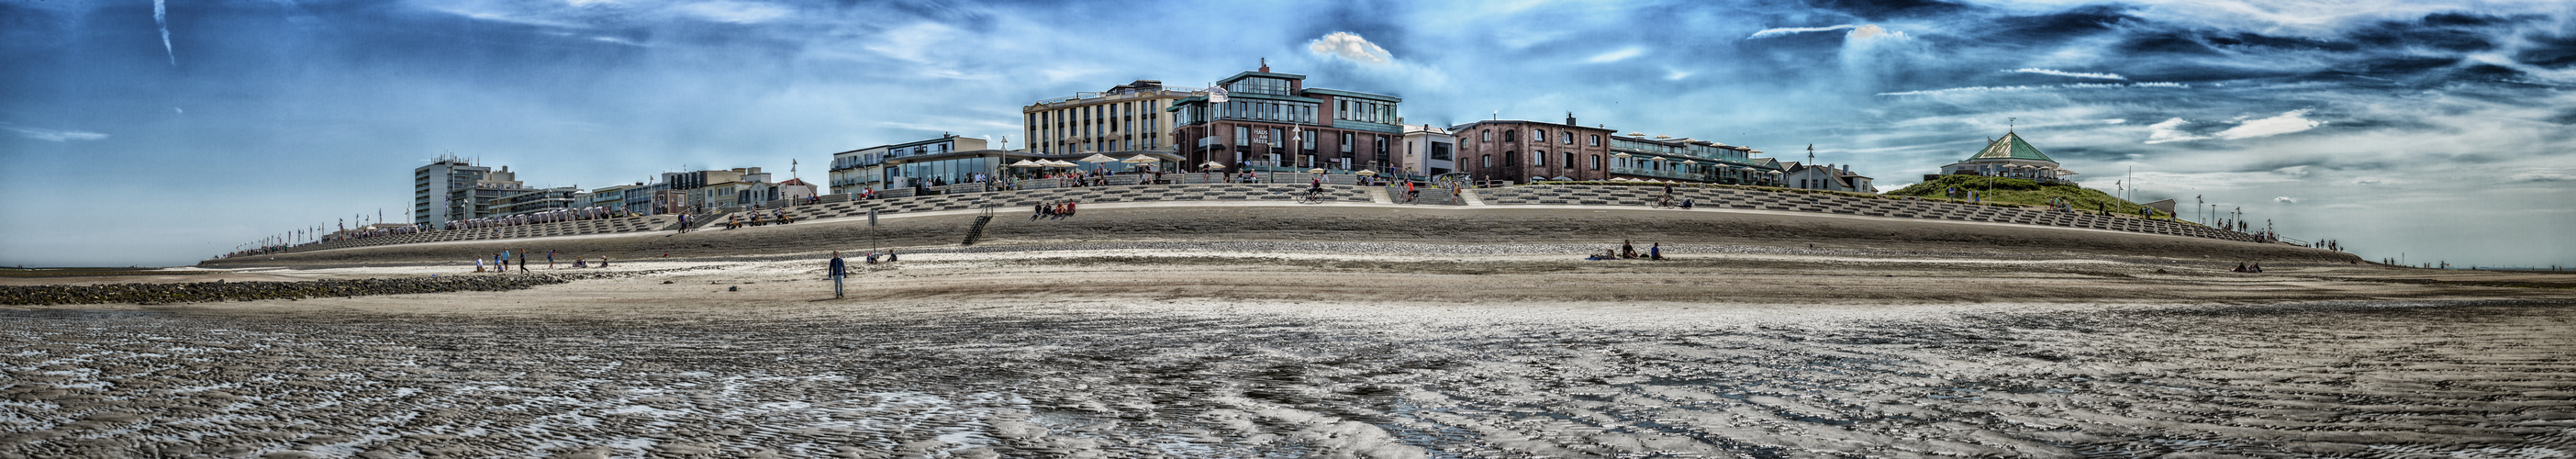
(1314, 187)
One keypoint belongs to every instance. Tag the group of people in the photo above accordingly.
(1055, 209)
(778, 216)
(2242, 268)
(1627, 250)
(500, 262)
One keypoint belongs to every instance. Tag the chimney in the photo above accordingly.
(1265, 65)
(1569, 119)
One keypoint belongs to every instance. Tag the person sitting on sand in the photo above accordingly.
(478, 264)
(1686, 203)
(2240, 267)
(578, 263)
(2258, 267)
(1655, 251)
(1627, 248)
(890, 255)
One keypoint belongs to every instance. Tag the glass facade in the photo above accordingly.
(952, 170)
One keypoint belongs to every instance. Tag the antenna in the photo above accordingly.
(2009, 124)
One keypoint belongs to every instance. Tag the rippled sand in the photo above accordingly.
(1130, 355)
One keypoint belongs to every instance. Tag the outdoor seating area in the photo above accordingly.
(1737, 198)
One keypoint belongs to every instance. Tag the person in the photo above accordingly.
(2258, 267)
(1655, 251)
(550, 259)
(603, 261)
(890, 255)
(523, 261)
(1686, 203)
(839, 270)
(1315, 187)
(1409, 193)
(478, 264)
(684, 223)
(1069, 207)
(2240, 267)
(872, 258)
(1627, 248)
(1038, 210)
(578, 263)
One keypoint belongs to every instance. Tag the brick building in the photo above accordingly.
(1272, 121)
(1525, 151)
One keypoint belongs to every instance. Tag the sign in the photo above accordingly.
(1216, 94)
(872, 218)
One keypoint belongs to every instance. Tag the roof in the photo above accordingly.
(2011, 147)
(794, 181)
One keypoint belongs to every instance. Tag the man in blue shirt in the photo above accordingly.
(839, 270)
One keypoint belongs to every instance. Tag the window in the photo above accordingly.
(1538, 158)
(1278, 138)
(1307, 137)
(1565, 137)
(1487, 161)
(1596, 141)
(1538, 136)
(1346, 142)
(1510, 160)
(1596, 161)
(1569, 160)
(1489, 135)
(1508, 136)
(1242, 136)
(1440, 151)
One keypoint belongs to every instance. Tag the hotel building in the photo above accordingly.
(1127, 117)
(1272, 121)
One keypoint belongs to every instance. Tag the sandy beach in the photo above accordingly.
(1296, 339)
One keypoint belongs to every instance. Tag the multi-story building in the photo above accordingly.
(432, 185)
(1428, 150)
(613, 197)
(477, 200)
(1689, 160)
(1272, 121)
(532, 200)
(1521, 151)
(1127, 117)
(859, 169)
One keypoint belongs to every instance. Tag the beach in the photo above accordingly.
(1298, 337)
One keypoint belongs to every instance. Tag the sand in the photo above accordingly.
(1277, 346)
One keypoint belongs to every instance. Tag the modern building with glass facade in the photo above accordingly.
(865, 168)
(1127, 117)
(1272, 121)
(433, 184)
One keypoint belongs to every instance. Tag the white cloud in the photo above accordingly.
(1349, 46)
(1790, 30)
(2542, 175)
(1616, 56)
(2287, 122)
(2018, 88)
(2286, 200)
(52, 135)
(2366, 181)
(2293, 171)
(736, 12)
(2100, 76)
(2170, 131)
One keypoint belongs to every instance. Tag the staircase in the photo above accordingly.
(977, 231)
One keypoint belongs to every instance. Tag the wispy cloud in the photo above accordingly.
(1350, 47)
(2020, 88)
(2101, 76)
(1618, 55)
(161, 18)
(735, 12)
(2285, 123)
(53, 135)
(1774, 32)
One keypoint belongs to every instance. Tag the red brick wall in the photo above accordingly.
(1472, 149)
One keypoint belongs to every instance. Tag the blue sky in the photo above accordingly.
(137, 133)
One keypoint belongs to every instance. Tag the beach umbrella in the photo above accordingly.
(1098, 158)
(1366, 172)
(1139, 159)
(1027, 163)
(1622, 155)
(1213, 165)
(1055, 163)
(1689, 162)
(1318, 170)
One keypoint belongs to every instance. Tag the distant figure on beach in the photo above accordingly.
(478, 264)
(889, 255)
(550, 259)
(1655, 251)
(839, 270)
(1627, 248)
(872, 258)
(603, 261)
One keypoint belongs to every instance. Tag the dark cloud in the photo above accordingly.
(1879, 10)
(2152, 44)
(2567, 116)
(2557, 52)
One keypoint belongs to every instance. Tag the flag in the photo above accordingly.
(1216, 94)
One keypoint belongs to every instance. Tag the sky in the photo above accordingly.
(138, 132)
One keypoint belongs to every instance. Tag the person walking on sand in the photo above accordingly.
(550, 259)
(839, 270)
(523, 261)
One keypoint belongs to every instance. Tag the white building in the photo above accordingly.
(1428, 150)
(2008, 157)
(1127, 117)
(433, 184)
(1827, 177)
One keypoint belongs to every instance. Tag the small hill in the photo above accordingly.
(2020, 191)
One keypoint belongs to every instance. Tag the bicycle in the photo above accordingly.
(1310, 196)
(1665, 202)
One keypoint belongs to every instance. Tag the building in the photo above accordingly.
(865, 168)
(532, 200)
(1826, 177)
(1521, 151)
(613, 197)
(1636, 157)
(479, 199)
(1127, 117)
(1428, 151)
(2008, 157)
(1272, 121)
(432, 184)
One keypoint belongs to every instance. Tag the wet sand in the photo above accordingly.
(1282, 348)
